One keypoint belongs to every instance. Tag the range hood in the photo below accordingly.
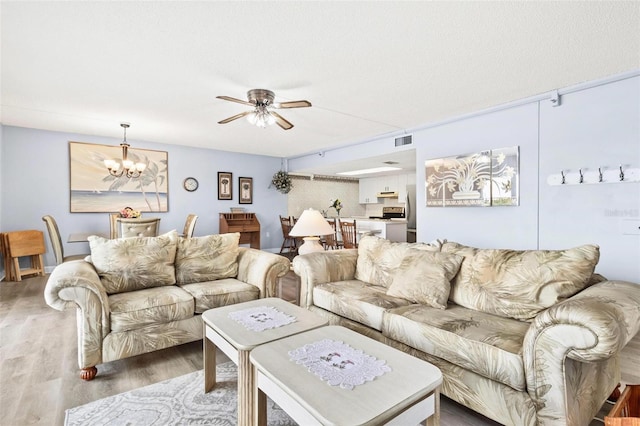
(387, 194)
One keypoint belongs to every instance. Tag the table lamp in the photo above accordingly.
(310, 225)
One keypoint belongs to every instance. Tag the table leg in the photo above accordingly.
(435, 419)
(209, 361)
(261, 406)
(246, 389)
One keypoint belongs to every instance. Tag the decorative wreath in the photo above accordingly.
(282, 181)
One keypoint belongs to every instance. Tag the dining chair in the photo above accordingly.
(348, 230)
(189, 225)
(113, 225)
(288, 242)
(330, 241)
(56, 242)
(137, 227)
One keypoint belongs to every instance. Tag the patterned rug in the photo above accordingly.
(178, 401)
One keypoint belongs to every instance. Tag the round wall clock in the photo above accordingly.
(190, 184)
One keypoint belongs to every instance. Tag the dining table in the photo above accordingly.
(83, 237)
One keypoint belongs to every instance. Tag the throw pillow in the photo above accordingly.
(208, 258)
(424, 277)
(378, 258)
(127, 264)
(520, 283)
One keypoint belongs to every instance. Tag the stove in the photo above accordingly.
(390, 213)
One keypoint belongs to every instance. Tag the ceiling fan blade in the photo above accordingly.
(239, 101)
(280, 121)
(293, 104)
(235, 117)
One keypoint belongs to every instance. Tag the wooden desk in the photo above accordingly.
(82, 237)
(245, 223)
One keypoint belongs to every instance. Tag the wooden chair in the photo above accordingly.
(348, 230)
(288, 241)
(56, 242)
(25, 244)
(189, 225)
(330, 241)
(137, 227)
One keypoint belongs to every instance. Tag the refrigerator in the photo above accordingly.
(410, 213)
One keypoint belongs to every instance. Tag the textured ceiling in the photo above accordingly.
(369, 68)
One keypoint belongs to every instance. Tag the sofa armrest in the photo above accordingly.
(589, 328)
(262, 269)
(323, 267)
(76, 283)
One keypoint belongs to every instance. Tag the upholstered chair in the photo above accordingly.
(56, 242)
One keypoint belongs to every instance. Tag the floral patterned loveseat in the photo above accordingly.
(523, 337)
(137, 295)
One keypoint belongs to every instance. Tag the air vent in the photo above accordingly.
(404, 140)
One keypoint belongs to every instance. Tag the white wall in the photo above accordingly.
(34, 172)
(599, 127)
(597, 124)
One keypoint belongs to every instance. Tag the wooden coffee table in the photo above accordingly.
(237, 341)
(408, 394)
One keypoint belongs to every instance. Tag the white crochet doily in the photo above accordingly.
(339, 364)
(261, 318)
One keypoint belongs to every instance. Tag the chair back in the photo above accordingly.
(137, 227)
(331, 240)
(348, 230)
(113, 225)
(189, 225)
(286, 224)
(54, 236)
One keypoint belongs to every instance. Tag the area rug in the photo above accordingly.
(178, 401)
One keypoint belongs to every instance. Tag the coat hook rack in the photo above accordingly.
(599, 175)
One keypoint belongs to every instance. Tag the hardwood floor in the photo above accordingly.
(39, 377)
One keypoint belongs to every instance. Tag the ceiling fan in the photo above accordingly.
(263, 113)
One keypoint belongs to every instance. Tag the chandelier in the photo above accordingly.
(125, 166)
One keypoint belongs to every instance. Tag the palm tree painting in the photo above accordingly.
(94, 189)
(224, 186)
(487, 178)
(246, 190)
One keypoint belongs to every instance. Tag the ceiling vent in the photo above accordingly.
(404, 140)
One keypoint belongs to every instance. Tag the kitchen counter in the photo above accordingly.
(390, 229)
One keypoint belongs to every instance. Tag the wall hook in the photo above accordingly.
(581, 176)
(599, 174)
(621, 173)
(563, 177)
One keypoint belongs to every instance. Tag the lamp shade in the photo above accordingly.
(311, 223)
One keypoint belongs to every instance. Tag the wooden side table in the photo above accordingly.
(408, 394)
(236, 341)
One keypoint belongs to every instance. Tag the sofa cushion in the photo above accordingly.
(356, 300)
(127, 264)
(138, 309)
(519, 283)
(486, 344)
(424, 277)
(378, 259)
(227, 291)
(207, 258)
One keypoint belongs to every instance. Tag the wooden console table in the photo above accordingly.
(245, 223)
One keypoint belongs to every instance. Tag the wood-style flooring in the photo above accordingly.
(39, 376)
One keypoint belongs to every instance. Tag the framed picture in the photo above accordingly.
(225, 185)
(94, 190)
(246, 190)
(486, 178)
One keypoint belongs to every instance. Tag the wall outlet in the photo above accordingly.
(268, 234)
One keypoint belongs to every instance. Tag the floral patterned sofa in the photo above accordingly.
(137, 295)
(522, 337)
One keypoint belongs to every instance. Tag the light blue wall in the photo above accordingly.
(34, 179)
(597, 124)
